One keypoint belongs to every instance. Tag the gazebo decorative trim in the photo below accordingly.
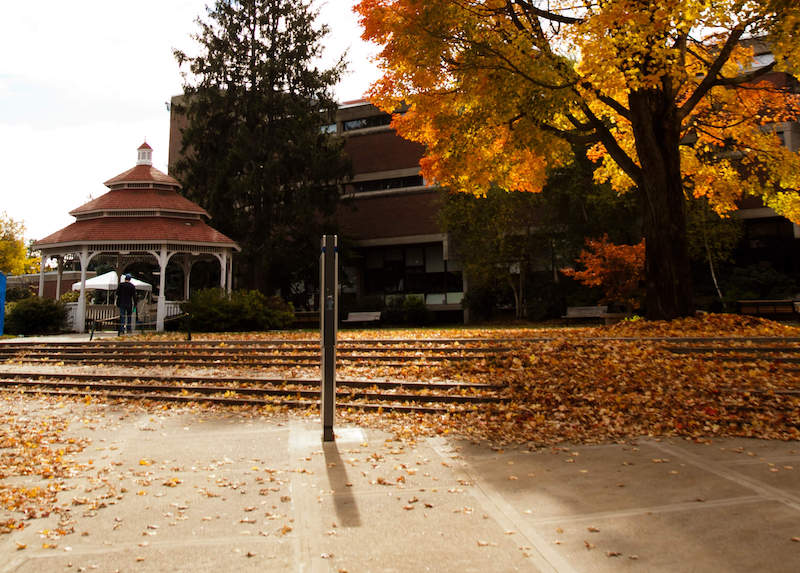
(142, 215)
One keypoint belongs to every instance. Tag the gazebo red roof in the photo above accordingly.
(138, 229)
(143, 174)
(161, 214)
(138, 199)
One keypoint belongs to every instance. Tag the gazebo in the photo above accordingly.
(140, 218)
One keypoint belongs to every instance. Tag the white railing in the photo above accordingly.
(173, 308)
(145, 313)
(102, 312)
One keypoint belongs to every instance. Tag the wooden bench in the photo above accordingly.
(362, 317)
(591, 312)
(306, 319)
(586, 312)
(785, 307)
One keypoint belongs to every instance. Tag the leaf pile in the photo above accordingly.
(32, 447)
(708, 325)
(578, 388)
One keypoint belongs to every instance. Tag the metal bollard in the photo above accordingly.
(329, 275)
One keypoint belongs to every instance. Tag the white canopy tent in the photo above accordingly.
(110, 281)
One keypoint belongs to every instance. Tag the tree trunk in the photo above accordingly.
(515, 289)
(523, 291)
(711, 263)
(667, 271)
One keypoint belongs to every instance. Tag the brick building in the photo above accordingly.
(391, 243)
(769, 237)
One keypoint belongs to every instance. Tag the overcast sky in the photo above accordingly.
(83, 84)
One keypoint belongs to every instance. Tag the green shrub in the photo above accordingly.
(415, 311)
(481, 301)
(211, 310)
(393, 314)
(759, 281)
(16, 293)
(35, 316)
(70, 296)
(410, 310)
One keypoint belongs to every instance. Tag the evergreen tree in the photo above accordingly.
(254, 151)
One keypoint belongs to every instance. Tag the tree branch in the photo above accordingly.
(748, 77)
(711, 79)
(574, 137)
(608, 100)
(605, 137)
(529, 8)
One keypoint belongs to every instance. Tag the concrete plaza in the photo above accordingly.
(189, 490)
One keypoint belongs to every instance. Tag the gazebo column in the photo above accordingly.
(161, 309)
(42, 262)
(223, 269)
(80, 317)
(59, 273)
(230, 271)
(187, 273)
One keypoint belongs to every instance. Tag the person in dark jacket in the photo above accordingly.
(126, 301)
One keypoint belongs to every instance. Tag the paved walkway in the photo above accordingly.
(194, 491)
(66, 337)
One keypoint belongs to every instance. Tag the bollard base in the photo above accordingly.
(327, 434)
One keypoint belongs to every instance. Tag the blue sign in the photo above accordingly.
(2, 301)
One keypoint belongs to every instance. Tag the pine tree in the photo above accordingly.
(254, 153)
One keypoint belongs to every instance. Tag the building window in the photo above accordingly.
(365, 122)
(413, 269)
(386, 184)
(328, 128)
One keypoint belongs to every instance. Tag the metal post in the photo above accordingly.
(329, 303)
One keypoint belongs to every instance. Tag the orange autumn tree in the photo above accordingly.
(617, 269)
(670, 97)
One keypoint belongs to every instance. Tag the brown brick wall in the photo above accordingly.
(381, 151)
(389, 216)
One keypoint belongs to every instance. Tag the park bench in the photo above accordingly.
(362, 317)
(784, 307)
(306, 319)
(593, 312)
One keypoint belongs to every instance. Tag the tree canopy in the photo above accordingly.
(14, 257)
(673, 98)
(254, 153)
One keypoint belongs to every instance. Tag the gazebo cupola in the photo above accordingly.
(142, 215)
(145, 155)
